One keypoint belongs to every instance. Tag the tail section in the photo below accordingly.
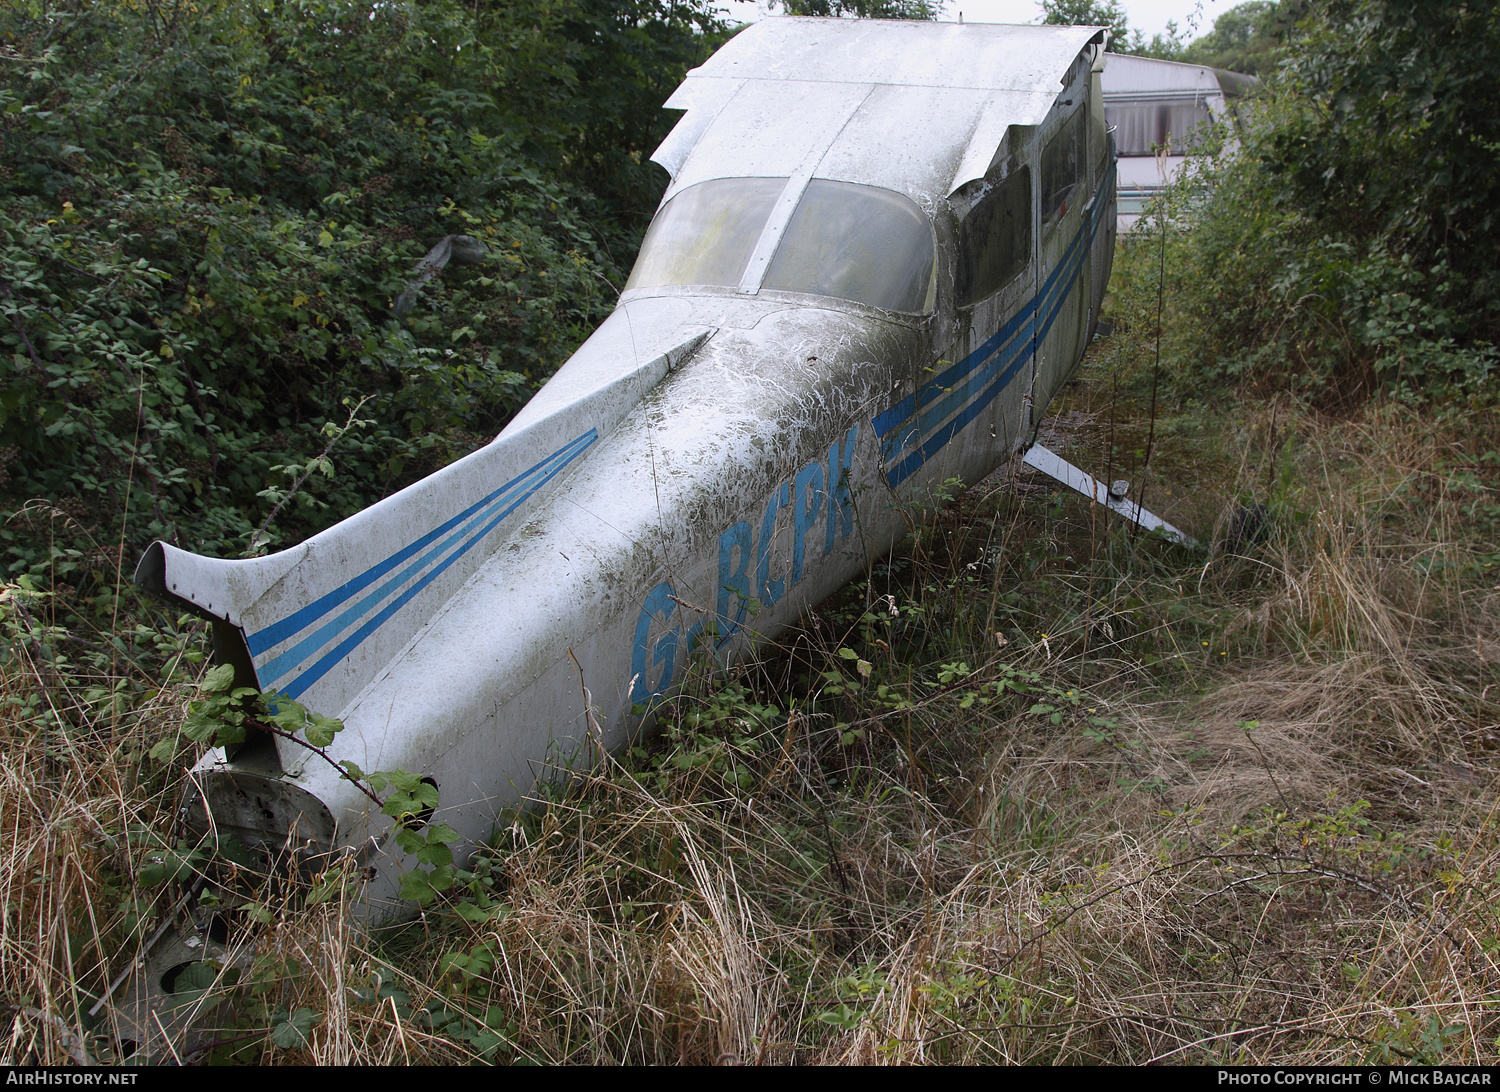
(321, 620)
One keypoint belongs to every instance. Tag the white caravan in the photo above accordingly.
(1156, 112)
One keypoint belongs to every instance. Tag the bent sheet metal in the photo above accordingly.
(881, 254)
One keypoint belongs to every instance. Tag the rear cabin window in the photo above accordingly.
(994, 243)
(856, 243)
(1062, 171)
(706, 233)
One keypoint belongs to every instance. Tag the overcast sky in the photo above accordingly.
(1149, 15)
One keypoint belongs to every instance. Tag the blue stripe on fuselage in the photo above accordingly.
(894, 426)
(508, 497)
(1057, 281)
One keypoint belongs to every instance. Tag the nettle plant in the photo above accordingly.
(224, 715)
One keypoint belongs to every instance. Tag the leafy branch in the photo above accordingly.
(319, 463)
(224, 716)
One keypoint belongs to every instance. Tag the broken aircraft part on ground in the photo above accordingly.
(1111, 496)
(881, 254)
(463, 249)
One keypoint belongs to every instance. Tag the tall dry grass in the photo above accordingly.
(83, 806)
(1266, 832)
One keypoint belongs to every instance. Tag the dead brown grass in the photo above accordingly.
(77, 794)
(1267, 832)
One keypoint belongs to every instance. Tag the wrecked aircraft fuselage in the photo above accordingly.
(881, 255)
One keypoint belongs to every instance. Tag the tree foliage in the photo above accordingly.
(1246, 38)
(1090, 13)
(1111, 15)
(861, 9)
(1350, 243)
(206, 211)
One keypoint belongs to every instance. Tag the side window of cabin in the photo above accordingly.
(994, 241)
(1062, 170)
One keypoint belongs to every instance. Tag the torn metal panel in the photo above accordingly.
(919, 108)
(770, 129)
(990, 56)
(702, 99)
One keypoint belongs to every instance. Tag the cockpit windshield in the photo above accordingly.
(705, 234)
(857, 243)
(844, 240)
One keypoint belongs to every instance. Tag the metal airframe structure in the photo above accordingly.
(881, 254)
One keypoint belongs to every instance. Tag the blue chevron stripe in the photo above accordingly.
(293, 656)
(481, 515)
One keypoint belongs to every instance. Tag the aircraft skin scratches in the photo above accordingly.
(728, 449)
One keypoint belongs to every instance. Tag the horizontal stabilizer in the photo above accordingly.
(1054, 466)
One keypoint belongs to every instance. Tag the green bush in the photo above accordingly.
(206, 212)
(1348, 243)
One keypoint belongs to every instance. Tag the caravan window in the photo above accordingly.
(1062, 170)
(994, 242)
(706, 233)
(856, 243)
(1143, 127)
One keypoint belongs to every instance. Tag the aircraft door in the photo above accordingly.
(994, 284)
